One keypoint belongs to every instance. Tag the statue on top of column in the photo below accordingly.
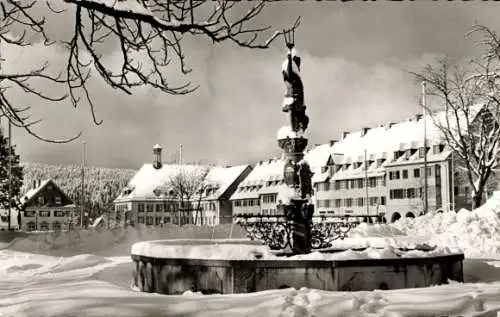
(294, 95)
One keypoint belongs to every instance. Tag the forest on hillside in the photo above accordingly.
(102, 185)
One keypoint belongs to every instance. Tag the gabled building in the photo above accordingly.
(258, 193)
(45, 207)
(373, 171)
(150, 199)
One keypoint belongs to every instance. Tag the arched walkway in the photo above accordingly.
(410, 215)
(395, 216)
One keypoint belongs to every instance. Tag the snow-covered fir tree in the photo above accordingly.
(16, 174)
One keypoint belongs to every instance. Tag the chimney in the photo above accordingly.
(389, 125)
(332, 142)
(157, 156)
(418, 116)
(364, 130)
(344, 134)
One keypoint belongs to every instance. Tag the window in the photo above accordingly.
(159, 207)
(44, 226)
(56, 226)
(421, 152)
(269, 198)
(405, 174)
(467, 191)
(436, 149)
(326, 186)
(382, 200)
(141, 208)
(381, 181)
(397, 193)
(416, 173)
(41, 200)
(58, 200)
(337, 185)
(361, 183)
(342, 184)
(372, 182)
(455, 191)
(31, 226)
(348, 202)
(237, 203)
(411, 193)
(353, 183)
(149, 207)
(44, 213)
(59, 213)
(140, 219)
(337, 202)
(373, 201)
(394, 175)
(29, 213)
(149, 220)
(437, 170)
(157, 220)
(166, 219)
(360, 202)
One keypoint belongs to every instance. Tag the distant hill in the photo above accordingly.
(102, 185)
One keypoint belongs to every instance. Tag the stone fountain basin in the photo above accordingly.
(242, 266)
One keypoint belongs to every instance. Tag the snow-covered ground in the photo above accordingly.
(89, 274)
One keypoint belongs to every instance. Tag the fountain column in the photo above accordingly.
(295, 197)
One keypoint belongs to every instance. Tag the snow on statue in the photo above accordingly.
(294, 95)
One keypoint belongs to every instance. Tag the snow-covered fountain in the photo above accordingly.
(285, 259)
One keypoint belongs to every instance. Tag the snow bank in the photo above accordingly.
(476, 233)
(117, 241)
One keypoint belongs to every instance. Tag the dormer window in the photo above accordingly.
(421, 152)
(407, 154)
(379, 162)
(436, 149)
(324, 169)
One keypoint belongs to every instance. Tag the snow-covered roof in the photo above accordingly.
(28, 196)
(149, 179)
(33, 191)
(379, 142)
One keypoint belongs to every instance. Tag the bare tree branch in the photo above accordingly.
(464, 107)
(149, 36)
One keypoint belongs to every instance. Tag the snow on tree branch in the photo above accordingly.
(465, 107)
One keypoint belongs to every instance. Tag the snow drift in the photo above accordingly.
(114, 242)
(476, 233)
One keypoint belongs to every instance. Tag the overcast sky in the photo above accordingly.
(354, 55)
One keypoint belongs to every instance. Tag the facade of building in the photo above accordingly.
(373, 171)
(45, 207)
(152, 196)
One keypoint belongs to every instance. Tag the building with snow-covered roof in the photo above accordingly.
(46, 207)
(154, 195)
(373, 171)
